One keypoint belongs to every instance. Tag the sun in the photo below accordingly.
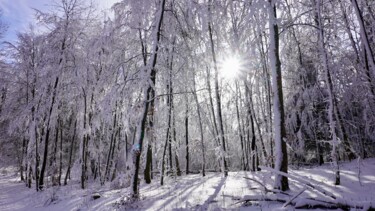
(230, 68)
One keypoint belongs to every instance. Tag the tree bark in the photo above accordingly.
(147, 94)
(329, 84)
(67, 175)
(217, 95)
(200, 129)
(46, 143)
(281, 182)
(187, 135)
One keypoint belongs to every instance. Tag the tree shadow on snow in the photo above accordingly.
(186, 187)
(214, 195)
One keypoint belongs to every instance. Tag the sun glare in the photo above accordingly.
(230, 68)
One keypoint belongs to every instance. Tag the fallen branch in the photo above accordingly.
(265, 188)
(307, 203)
(295, 196)
(275, 191)
(264, 198)
(300, 180)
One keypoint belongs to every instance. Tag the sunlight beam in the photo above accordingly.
(230, 68)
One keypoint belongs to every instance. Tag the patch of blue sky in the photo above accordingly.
(19, 14)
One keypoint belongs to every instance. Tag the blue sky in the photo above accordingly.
(18, 14)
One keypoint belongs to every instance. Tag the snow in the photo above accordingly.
(212, 192)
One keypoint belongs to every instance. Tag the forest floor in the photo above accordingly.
(192, 192)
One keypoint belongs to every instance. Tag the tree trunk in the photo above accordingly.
(84, 143)
(268, 119)
(200, 129)
(187, 135)
(240, 133)
(281, 182)
(150, 116)
(22, 159)
(67, 175)
(331, 101)
(45, 154)
(217, 95)
(111, 146)
(61, 154)
(364, 37)
(147, 95)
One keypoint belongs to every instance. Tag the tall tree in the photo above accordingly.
(220, 122)
(149, 77)
(281, 182)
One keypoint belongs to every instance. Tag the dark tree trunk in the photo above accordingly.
(46, 143)
(281, 182)
(111, 146)
(328, 79)
(61, 154)
(187, 135)
(84, 143)
(218, 99)
(240, 133)
(37, 159)
(200, 129)
(148, 97)
(150, 116)
(177, 163)
(22, 159)
(67, 175)
(148, 169)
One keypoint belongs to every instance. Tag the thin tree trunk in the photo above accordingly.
(217, 95)
(147, 95)
(46, 143)
(53, 162)
(35, 138)
(212, 106)
(173, 129)
(331, 101)
(111, 145)
(281, 182)
(266, 75)
(240, 128)
(177, 163)
(84, 141)
(187, 135)
(148, 168)
(253, 153)
(168, 137)
(67, 175)
(30, 177)
(200, 129)
(22, 159)
(365, 39)
(37, 159)
(61, 154)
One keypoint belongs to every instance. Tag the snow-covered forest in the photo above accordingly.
(278, 95)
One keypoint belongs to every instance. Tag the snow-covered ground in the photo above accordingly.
(192, 192)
